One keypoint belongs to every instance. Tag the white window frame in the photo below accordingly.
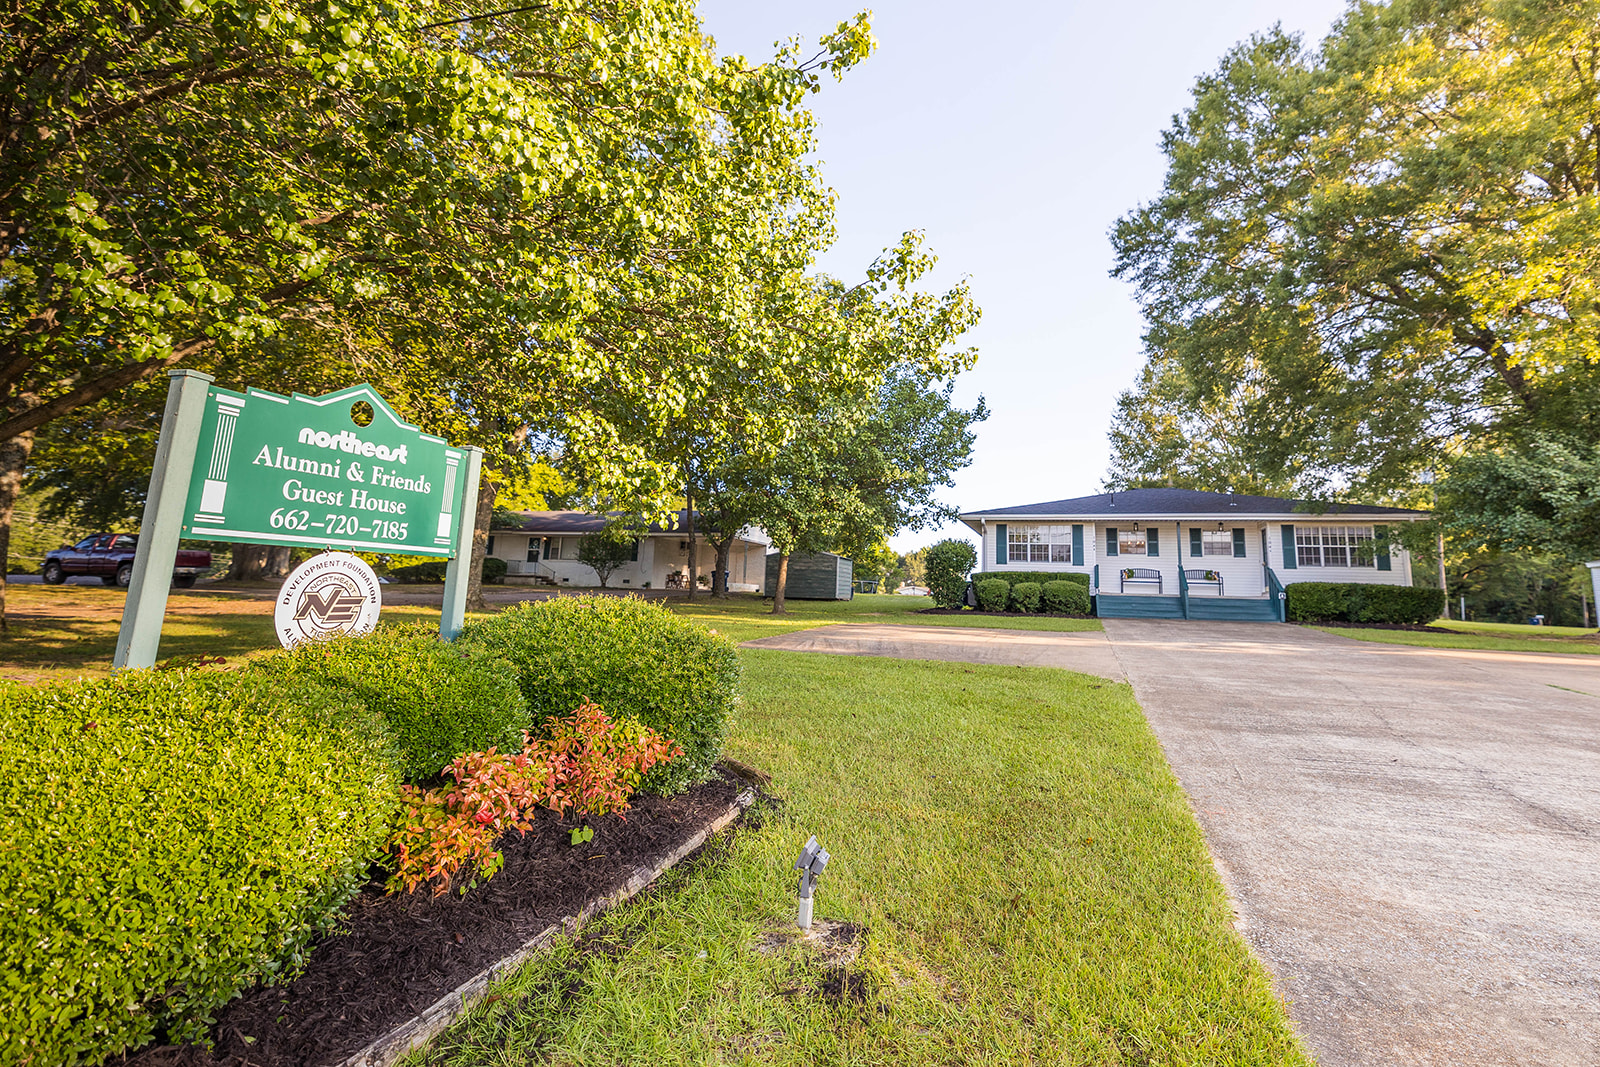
(1131, 542)
(1335, 546)
(1038, 543)
(1216, 543)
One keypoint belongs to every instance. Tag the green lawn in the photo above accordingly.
(746, 617)
(58, 633)
(1031, 881)
(1497, 636)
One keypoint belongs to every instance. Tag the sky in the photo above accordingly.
(1013, 134)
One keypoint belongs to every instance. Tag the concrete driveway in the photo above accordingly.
(1085, 651)
(1411, 836)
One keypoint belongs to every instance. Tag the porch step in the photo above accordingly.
(1138, 607)
(1232, 609)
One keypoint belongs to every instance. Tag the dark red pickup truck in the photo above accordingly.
(110, 558)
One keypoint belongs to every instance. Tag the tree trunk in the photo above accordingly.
(694, 568)
(783, 580)
(251, 562)
(480, 545)
(719, 577)
(14, 455)
(279, 560)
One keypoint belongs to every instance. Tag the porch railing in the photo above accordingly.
(1276, 593)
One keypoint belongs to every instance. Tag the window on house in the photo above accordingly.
(1039, 544)
(1216, 542)
(1334, 546)
(1132, 542)
(488, 549)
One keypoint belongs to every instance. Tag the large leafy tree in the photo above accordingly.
(1373, 257)
(860, 471)
(507, 203)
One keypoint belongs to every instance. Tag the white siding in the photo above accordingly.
(1399, 572)
(1241, 576)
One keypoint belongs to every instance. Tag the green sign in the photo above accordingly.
(336, 471)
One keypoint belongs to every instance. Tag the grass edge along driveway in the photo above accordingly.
(1486, 636)
(1033, 886)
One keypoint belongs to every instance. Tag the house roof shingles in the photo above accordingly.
(1177, 502)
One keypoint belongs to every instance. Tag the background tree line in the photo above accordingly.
(1379, 257)
(568, 233)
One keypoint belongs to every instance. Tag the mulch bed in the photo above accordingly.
(399, 954)
(1000, 614)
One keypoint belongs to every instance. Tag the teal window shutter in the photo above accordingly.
(1238, 542)
(634, 557)
(1111, 540)
(1152, 542)
(1000, 543)
(1288, 548)
(1380, 534)
(1077, 544)
(1194, 542)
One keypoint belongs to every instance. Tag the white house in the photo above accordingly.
(542, 549)
(1182, 553)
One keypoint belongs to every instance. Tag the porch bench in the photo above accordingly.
(1199, 578)
(1136, 575)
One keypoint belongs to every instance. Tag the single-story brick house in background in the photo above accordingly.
(1182, 553)
(541, 548)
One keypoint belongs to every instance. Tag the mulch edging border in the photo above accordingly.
(438, 1016)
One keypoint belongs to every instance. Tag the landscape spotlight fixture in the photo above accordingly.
(813, 859)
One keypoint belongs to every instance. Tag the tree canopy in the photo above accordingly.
(565, 231)
(1376, 256)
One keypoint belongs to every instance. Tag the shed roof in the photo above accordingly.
(1165, 503)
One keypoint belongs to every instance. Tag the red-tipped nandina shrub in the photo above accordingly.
(590, 764)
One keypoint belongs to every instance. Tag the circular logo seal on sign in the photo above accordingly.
(327, 595)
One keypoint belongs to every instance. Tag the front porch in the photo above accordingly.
(1137, 598)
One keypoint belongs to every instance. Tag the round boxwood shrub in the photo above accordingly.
(1025, 596)
(1065, 598)
(439, 699)
(630, 656)
(168, 838)
(993, 594)
(947, 565)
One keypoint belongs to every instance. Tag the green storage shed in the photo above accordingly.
(813, 576)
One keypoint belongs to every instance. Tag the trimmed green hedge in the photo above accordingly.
(993, 594)
(168, 838)
(1359, 602)
(439, 700)
(1036, 585)
(1025, 596)
(1013, 577)
(630, 656)
(1066, 598)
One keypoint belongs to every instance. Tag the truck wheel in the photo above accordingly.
(183, 581)
(125, 575)
(53, 574)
